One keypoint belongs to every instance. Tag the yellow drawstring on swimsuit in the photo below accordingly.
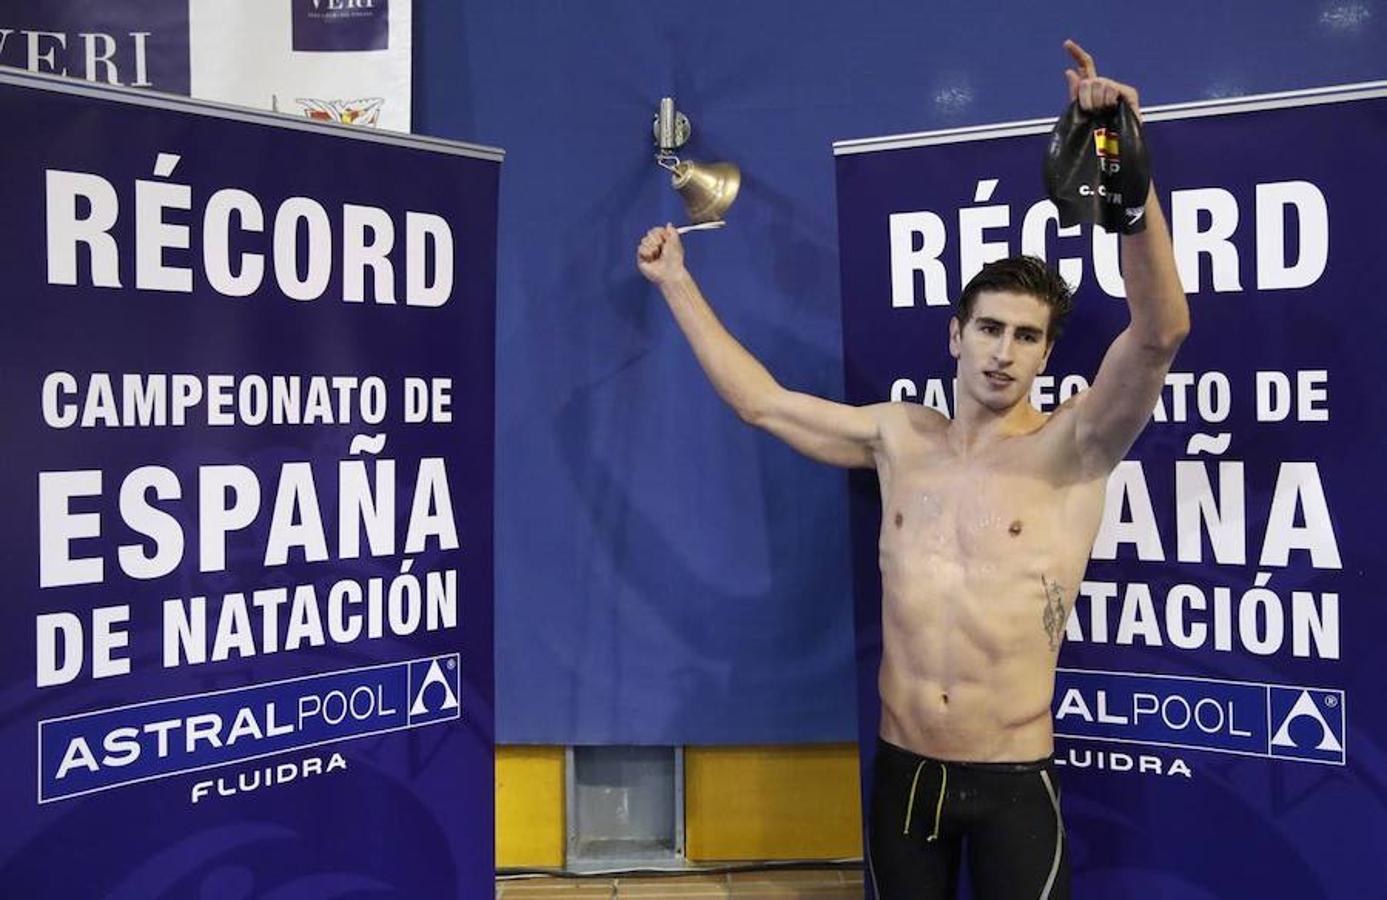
(939, 804)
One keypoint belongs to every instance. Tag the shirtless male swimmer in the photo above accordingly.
(988, 520)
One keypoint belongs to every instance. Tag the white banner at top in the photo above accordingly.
(330, 60)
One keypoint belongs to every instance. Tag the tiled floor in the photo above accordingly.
(818, 884)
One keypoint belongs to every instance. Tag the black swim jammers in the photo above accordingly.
(927, 816)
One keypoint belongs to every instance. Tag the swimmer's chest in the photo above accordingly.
(989, 503)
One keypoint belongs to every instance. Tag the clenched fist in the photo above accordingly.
(660, 256)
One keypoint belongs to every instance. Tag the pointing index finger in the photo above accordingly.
(1082, 59)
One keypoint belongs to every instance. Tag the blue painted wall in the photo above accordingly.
(664, 574)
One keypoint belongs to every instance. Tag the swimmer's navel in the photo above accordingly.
(900, 520)
(1015, 528)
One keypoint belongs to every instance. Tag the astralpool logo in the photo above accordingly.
(1308, 724)
(1246, 718)
(108, 748)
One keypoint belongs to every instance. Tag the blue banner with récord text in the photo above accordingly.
(248, 403)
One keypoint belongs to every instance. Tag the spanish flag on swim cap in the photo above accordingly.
(1097, 169)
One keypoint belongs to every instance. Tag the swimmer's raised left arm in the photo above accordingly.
(1113, 412)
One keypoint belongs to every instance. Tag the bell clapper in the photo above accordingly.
(701, 226)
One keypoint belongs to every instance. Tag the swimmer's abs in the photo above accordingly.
(966, 721)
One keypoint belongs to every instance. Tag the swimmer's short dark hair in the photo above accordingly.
(1021, 275)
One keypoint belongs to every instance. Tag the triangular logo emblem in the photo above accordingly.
(450, 700)
(1305, 706)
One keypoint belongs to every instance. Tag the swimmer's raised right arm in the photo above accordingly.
(835, 433)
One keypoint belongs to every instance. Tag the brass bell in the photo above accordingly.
(707, 189)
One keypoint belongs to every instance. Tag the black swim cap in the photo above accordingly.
(1097, 169)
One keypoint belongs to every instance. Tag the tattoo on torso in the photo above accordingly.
(1055, 615)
